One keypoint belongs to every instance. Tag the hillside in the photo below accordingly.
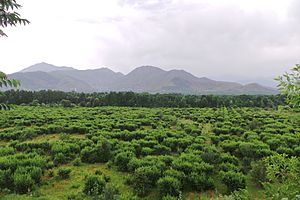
(142, 79)
(65, 152)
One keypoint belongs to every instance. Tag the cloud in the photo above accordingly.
(205, 39)
(233, 39)
(146, 4)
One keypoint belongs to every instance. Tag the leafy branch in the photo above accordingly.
(8, 15)
(289, 85)
(6, 82)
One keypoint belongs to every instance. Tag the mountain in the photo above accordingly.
(150, 79)
(45, 67)
(50, 81)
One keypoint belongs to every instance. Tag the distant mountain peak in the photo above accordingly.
(45, 67)
(104, 69)
(147, 68)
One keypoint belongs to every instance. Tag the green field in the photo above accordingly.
(147, 153)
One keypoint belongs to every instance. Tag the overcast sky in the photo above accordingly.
(224, 39)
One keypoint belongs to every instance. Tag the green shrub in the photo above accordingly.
(259, 172)
(200, 182)
(23, 183)
(101, 153)
(241, 194)
(34, 172)
(77, 162)
(122, 159)
(51, 173)
(6, 179)
(168, 186)
(59, 159)
(228, 167)
(233, 180)
(64, 173)
(94, 185)
(88, 155)
(144, 178)
(4, 151)
(110, 192)
(169, 197)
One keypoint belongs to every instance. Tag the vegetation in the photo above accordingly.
(5, 81)
(65, 146)
(289, 84)
(8, 15)
(71, 99)
(53, 152)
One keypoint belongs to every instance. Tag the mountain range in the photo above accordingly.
(150, 79)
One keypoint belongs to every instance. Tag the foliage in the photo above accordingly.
(168, 186)
(70, 99)
(167, 153)
(283, 176)
(144, 179)
(23, 183)
(77, 162)
(5, 81)
(101, 153)
(66, 103)
(8, 15)
(241, 194)
(259, 172)
(122, 159)
(289, 85)
(233, 180)
(94, 185)
(64, 173)
(110, 192)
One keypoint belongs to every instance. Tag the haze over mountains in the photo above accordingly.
(150, 79)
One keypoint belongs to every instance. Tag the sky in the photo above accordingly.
(234, 40)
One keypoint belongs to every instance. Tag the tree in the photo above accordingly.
(289, 85)
(66, 103)
(5, 81)
(8, 15)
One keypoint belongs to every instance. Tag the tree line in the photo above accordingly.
(131, 99)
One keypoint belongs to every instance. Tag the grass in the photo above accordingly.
(54, 137)
(3, 143)
(22, 197)
(255, 191)
(56, 188)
